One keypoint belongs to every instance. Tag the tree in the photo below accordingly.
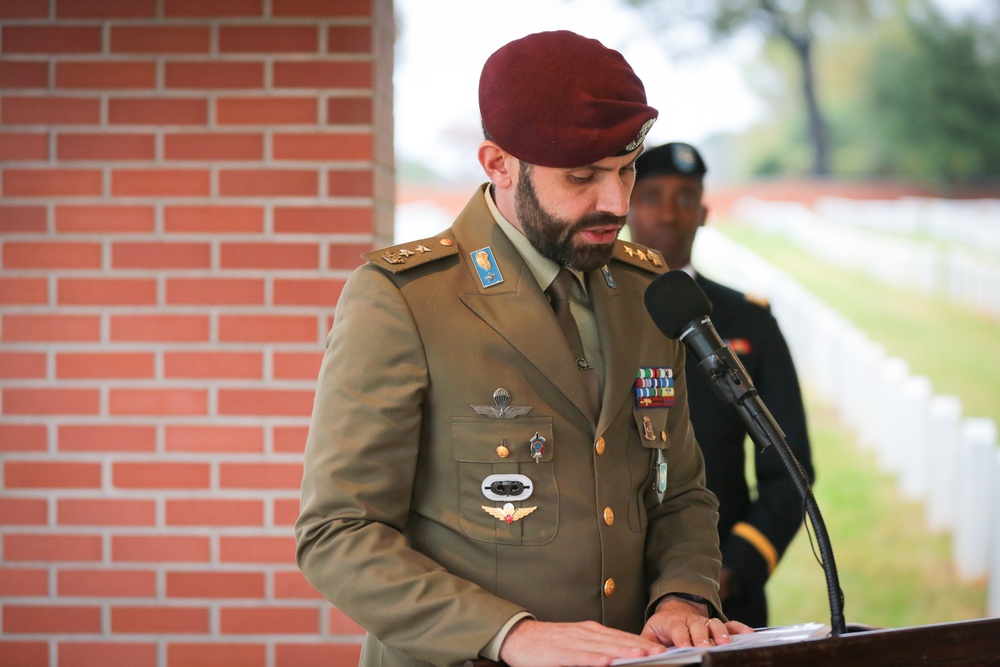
(795, 23)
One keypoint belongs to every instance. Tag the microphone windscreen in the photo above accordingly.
(674, 300)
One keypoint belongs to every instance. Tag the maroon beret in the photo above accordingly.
(557, 99)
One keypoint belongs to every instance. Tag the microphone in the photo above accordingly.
(681, 310)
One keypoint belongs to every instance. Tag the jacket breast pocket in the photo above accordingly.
(507, 490)
(647, 454)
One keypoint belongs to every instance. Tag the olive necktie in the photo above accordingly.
(559, 294)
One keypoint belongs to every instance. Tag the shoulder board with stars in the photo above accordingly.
(399, 258)
(640, 256)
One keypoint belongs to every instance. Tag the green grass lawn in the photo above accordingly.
(894, 572)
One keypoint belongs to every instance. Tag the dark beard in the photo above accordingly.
(552, 237)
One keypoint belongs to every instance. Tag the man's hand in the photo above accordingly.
(678, 622)
(533, 643)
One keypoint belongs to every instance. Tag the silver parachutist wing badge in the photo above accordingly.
(502, 409)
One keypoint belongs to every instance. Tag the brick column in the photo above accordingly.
(185, 186)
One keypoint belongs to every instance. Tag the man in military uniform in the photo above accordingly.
(500, 462)
(666, 212)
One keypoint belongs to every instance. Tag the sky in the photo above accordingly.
(442, 45)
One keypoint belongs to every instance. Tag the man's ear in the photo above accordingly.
(704, 216)
(498, 164)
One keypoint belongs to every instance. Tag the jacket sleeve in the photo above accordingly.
(360, 461)
(756, 543)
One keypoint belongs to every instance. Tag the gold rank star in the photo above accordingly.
(640, 254)
(628, 249)
(405, 253)
(422, 249)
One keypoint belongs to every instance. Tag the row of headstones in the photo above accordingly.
(949, 462)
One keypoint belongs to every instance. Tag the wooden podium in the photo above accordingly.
(966, 644)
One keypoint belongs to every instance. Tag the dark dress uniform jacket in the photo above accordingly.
(753, 532)
(393, 529)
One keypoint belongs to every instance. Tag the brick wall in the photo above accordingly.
(185, 186)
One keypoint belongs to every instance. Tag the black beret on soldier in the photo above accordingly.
(557, 99)
(675, 158)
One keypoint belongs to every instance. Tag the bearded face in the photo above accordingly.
(559, 239)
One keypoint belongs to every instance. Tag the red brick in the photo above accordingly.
(268, 476)
(51, 475)
(50, 39)
(323, 219)
(160, 548)
(209, 654)
(322, 8)
(160, 182)
(269, 620)
(120, 365)
(22, 219)
(112, 75)
(110, 146)
(286, 511)
(52, 547)
(349, 39)
(106, 292)
(159, 620)
(213, 219)
(51, 255)
(102, 219)
(297, 365)
(51, 401)
(158, 402)
(25, 9)
(157, 111)
(257, 549)
(323, 74)
(216, 9)
(51, 328)
(266, 110)
(210, 146)
(105, 9)
(290, 439)
(350, 183)
(214, 75)
(218, 439)
(213, 364)
(23, 146)
(26, 74)
(317, 654)
(267, 328)
(215, 291)
(340, 624)
(250, 402)
(159, 475)
(270, 256)
(347, 255)
(47, 619)
(24, 291)
(326, 146)
(349, 111)
(268, 182)
(106, 438)
(105, 512)
(26, 653)
(50, 110)
(322, 292)
(106, 583)
(159, 328)
(99, 654)
(213, 512)
(160, 39)
(22, 582)
(268, 39)
(161, 255)
(51, 182)
(23, 438)
(22, 365)
(23, 512)
(293, 586)
(215, 584)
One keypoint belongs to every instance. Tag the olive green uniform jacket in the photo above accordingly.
(393, 529)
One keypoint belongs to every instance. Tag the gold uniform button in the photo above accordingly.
(609, 516)
(600, 446)
(609, 588)
(446, 242)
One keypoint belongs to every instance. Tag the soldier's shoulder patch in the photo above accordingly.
(757, 300)
(404, 256)
(640, 256)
